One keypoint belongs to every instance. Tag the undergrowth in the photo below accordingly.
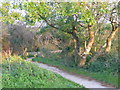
(18, 73)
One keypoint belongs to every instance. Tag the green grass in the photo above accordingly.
(23, 74)
(104, 77)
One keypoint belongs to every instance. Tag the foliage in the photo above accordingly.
(75, 19)
(8, 16)
(64, 13)
(67, 22)
(81, 21)
(18, 37)
(103, 64)
(18, 73)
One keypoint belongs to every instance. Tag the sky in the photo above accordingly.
(64, 0)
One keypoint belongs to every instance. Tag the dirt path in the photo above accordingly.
(72, 77)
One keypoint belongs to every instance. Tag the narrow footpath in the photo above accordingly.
(75, 78)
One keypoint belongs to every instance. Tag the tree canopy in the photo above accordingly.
(87, 23)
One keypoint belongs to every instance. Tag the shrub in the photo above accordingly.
(107, 63)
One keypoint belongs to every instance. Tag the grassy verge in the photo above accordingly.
(104, 77)
(17, 73)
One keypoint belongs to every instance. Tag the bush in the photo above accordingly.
(108, 63)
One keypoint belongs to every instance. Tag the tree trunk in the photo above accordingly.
(107, 45)
(84, 55)
(109, 40)
(76, 46)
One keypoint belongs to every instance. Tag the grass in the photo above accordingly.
(17, 73)
(104, 77)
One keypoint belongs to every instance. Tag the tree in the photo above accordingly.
(113, 18)
(79, 19)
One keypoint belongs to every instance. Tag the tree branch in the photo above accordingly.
(47, 21)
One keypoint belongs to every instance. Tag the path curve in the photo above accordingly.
(77, 79)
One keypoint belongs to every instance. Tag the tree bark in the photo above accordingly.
(76, 46)
(84, 55)
(109, 39)
(107, 45)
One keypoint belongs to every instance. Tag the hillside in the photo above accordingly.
(18, 73)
